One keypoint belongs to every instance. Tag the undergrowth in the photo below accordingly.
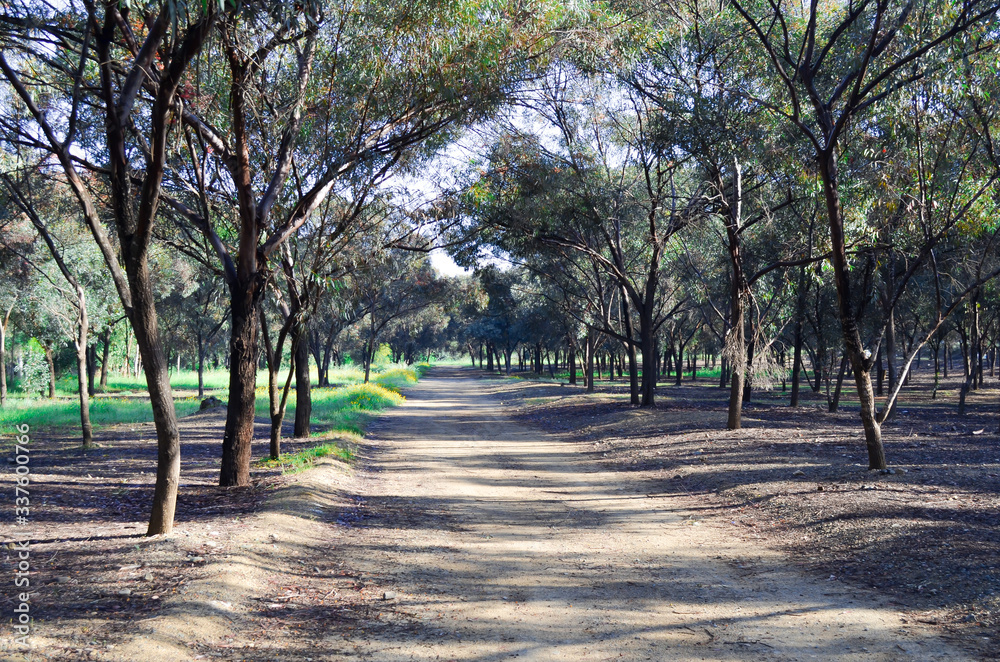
(39, 412)
(295, 462)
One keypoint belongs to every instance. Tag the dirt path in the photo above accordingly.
(466, 536)
(497, 542)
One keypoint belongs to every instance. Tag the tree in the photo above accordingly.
(374, 84)
(22, 196)
(829, 69)
(612, 193)
(104, 67)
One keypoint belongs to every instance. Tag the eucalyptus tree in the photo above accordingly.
(830, 67)
(74, 293)
(749, 165)
(94, 82)
(614, 193)
(315, 92)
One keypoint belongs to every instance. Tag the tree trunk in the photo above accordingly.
(571, 361)
(84, 377)
(237, 440)
(969, 342)
(937, 369)
(879, 374)
(633, 368)
(849, 328)
(90, 358)
(52, 371)
(3, 355)
(748, 382)
(738, 292)
(647, 342)
(168, 442)
(303, 396)
(105, 358)
(947, 361)
(834, 404)
(890, 361)
(737, 349)
(679, 364)
(589, 371)
(369, 354)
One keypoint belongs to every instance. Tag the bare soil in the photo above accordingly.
(558, 525)
(796, 480)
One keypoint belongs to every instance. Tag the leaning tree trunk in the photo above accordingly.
(168, 440)
(848, 324)
(238, 437)
(303, 396)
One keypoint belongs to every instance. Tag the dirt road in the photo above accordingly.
(497, 542)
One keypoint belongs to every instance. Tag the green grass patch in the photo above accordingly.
(396, 379)
(185, 380)
(296, 462)
(349, 408)
(40, 412)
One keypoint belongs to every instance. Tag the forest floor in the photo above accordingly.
(493, 519)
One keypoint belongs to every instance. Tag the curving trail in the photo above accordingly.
(499, 542)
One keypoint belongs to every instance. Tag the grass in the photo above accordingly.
(345, 407)
(60, 412)
(344, 411)
(296, 462)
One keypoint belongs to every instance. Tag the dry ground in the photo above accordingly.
(621, 533)
(925, 535)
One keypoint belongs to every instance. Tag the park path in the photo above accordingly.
(495, 541)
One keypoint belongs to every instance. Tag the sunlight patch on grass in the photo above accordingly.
(296, 462)
(39, 412)
(396, 379)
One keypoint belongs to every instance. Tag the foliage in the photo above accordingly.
(33, 378)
